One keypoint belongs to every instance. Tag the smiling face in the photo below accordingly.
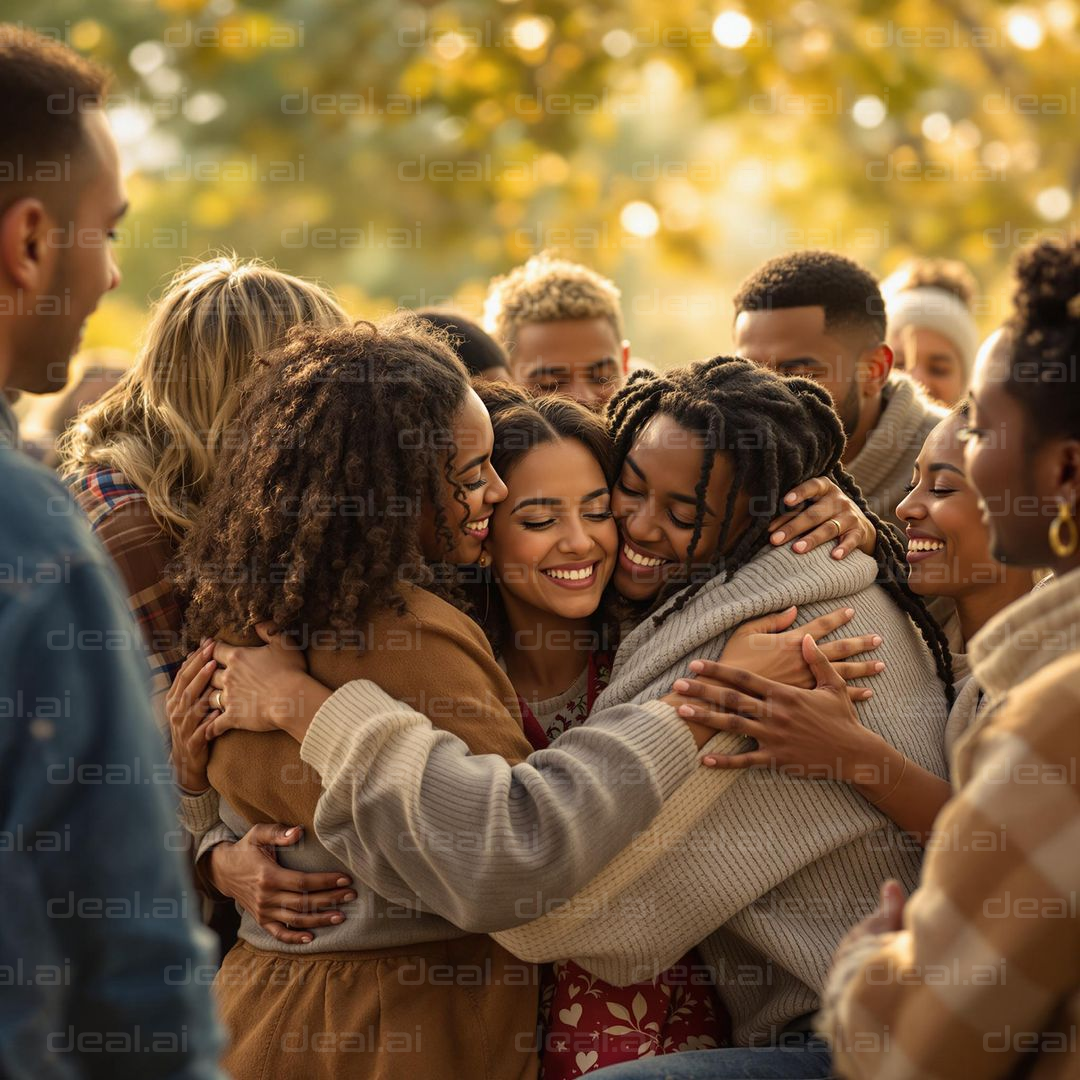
(948, 543)
(932, 360)
(553, 540)
(473, 479)
(581, 358)
(654, 506)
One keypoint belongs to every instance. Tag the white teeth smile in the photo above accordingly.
(477, 526)
(641, 560)
(925, 545)
(571, 575)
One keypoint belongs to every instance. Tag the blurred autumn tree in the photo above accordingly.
(405, 152)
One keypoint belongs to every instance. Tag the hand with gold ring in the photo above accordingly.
(217, 700)
(829, 516)
(190, 708)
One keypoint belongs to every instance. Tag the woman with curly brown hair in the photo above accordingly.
(365, 470)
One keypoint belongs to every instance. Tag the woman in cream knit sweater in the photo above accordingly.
(779, 868)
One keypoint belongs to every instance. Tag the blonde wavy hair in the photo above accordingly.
(164, 423)
(549, 289)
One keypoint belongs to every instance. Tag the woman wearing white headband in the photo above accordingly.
(932, 332)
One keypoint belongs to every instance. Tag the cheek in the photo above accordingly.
(515, 554)
(607, 538)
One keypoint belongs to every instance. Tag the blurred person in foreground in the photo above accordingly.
(99, 932)
(820, 315)
(932, 331)
(561, 324)
(977, 975)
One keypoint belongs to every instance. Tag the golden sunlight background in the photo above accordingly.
(405, 152)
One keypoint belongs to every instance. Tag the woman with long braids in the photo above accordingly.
(769, 848)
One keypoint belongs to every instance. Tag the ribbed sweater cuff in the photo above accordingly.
(654, 730)
(199, 813)
(333, 729)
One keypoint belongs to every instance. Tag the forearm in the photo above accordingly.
(298, 708)
(415, 815)
(905, 791)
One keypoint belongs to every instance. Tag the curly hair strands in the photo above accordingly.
(780, 433)
(164, 423)
(549, 289)
(314, 522)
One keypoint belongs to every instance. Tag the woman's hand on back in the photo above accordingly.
(766, 647)
(188, 708)
(818, 523)
(264, 687)
(287, 904)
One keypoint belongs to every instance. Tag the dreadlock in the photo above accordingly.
(780, 432)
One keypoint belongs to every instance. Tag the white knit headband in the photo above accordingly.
(930, 308)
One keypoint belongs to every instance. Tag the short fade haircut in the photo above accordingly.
(549, 289)
(36, 73)
(849, 294)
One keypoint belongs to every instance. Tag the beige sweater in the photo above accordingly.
(781, 866)
(983, 980)
(884, 465)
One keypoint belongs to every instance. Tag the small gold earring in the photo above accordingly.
(1064, 536)
(485, 559)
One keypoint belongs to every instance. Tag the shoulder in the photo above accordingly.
(1043, 709)
(437, 619)
(100, 492)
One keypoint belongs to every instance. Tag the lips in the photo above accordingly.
(478, 528)
(641, 563)
(572, 575)
(921, 546)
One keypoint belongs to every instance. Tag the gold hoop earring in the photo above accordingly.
(1064, 535)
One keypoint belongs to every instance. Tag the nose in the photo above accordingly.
(640, 525)
(575, 538)
(114, 274)
(585, 393)
(910, 508)
(496, 490)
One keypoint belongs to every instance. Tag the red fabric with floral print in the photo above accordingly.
(588, 1023)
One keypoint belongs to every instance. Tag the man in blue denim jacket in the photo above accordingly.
(104, 969)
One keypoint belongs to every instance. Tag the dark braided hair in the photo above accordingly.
(343, 435)
(780, 433)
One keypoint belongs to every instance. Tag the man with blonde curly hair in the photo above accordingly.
(562, 326)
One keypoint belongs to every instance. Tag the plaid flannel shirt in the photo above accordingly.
(120, 517)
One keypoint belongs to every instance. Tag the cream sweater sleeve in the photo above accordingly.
(472, 838)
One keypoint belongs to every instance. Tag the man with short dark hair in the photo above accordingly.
(820, 315)
(109, 967)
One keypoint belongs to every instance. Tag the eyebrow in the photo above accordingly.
(802, 361)
(479, 460)
(607, 361)
(943, 466)
(689, 499)
(558, 502)
(536, 373)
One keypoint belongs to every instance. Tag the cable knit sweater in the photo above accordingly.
(884, 465)
(781, 866)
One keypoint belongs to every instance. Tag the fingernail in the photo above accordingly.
(696, 665)
(686, 710)
(800, 546)
(681, 686)
(877, 640)
(289, 832)
(789, 498)
(880, 665)
(777, 537)
(306, 939)
(335, 919)
(342, 881)
(849, 611)
(348, 897)
(708, 761)
(867, 694)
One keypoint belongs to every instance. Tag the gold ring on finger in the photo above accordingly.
(218, 701)
(839, 528)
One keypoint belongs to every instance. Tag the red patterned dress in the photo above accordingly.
(588, 1023)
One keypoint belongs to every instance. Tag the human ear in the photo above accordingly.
(23, 250)
(875, 366)
(625, 357)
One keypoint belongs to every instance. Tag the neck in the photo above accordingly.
(868, 420)
(544, 652)
(976, 609)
